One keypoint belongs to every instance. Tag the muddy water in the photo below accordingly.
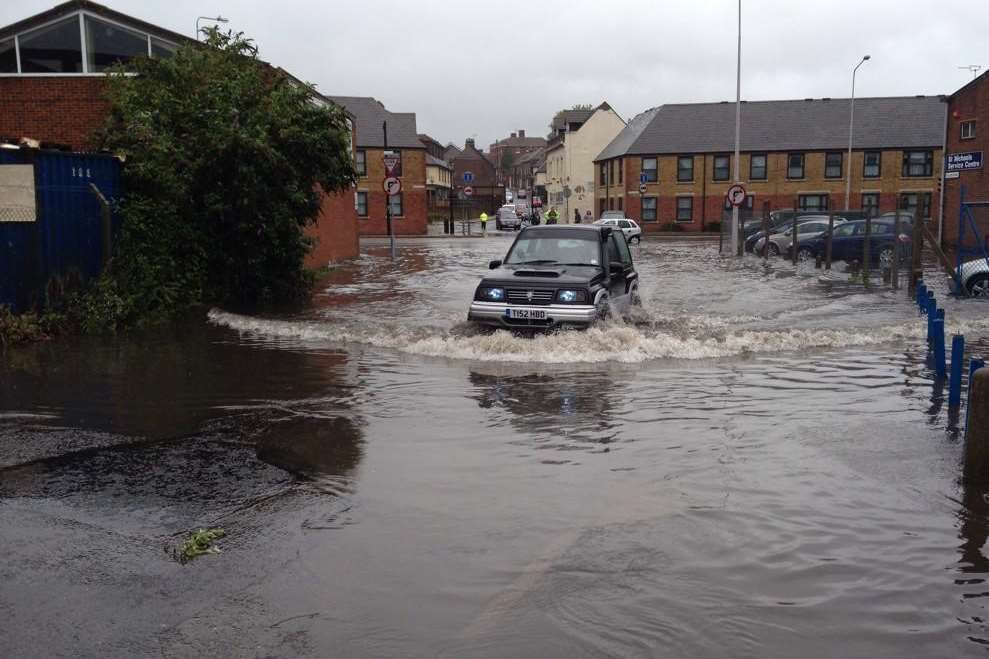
(757, 464)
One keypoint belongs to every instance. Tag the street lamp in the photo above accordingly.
(851, 126)
(216, 19)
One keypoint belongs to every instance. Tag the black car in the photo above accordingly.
(849, 241)
(558, 275)
(778, 221)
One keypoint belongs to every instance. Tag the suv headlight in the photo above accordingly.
(571, 296)
(491, 294)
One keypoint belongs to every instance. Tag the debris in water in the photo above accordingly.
(198, 543)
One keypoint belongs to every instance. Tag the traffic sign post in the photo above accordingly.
(642, 188)
(468, 190)
(391, 160)
(388, 184)
(643, 178)
(468, 177)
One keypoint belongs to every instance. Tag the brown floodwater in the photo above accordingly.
(759, 463)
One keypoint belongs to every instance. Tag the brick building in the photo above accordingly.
(52, 82)
(504, 153)
(408, 207)
(488, 195)
(967, 133)
(794, 154)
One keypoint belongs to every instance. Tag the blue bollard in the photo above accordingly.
(955, 379)
(974, 364)
(921, 295)
(939, 365)
(931, 309)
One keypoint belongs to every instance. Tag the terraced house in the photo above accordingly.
(794, 155)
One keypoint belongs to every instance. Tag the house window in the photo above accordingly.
(161, 48)
(395, 203)
(55, 48)
(649, 209)
(968, 130)
(813, 202)
(832, 164)
(650, 167)
(360, 162)
(603, 175)
(8, 57)
(611, 203)
(757, 167)
(611, 171)
(910, 200)
(602, 206)
(620, 200)
(872, 164)
(361, 204)
(685, 168)
(108, 44)
(795, 166)
(621, 164)
(918, 163)
(722, 168)
(870, 203)
(685, 209)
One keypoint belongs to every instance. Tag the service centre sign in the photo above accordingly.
(962, 162)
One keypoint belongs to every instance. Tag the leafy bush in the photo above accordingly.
(22, 328)
(227, 160)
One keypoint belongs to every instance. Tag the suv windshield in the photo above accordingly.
(555, 249)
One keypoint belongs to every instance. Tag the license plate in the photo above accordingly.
(526, 314)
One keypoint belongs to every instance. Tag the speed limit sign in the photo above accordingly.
(736, 195)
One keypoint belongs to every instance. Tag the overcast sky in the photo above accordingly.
(486, 69)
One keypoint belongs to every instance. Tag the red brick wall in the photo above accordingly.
(63, 111)
(414, 218)
(971, 102)
(334, 235)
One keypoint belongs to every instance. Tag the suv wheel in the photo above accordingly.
(774, 249)
(978, 285)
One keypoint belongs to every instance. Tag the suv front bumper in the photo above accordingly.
(496, 314)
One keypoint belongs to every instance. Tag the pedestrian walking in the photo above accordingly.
(484, 224)
(552, 216)
(588, 218)
(576, 216)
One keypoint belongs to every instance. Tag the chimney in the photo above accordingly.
(521, 133)
(469, 142)
(514, 135)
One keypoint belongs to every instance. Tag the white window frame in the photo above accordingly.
(971, 135)
(84, 45)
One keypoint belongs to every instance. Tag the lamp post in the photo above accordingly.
(215, 19)
(851, 126)
(738, 125)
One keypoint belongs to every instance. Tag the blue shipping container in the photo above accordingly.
(65, 239)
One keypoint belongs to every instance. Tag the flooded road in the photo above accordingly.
(758, 464)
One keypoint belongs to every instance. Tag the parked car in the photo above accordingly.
(777, 221)
(612, 215)
(507, 219)
(974, 276)
(558, 275)
(628, 226)
(808, 227)
(849, 238)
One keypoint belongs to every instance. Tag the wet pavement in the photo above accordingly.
(758, 464)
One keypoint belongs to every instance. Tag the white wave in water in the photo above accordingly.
(611, 342)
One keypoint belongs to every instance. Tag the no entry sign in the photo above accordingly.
(468, 190)
(736, 195)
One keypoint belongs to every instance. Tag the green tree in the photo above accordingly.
(226, 162)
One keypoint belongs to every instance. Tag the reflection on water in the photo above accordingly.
(757, 464)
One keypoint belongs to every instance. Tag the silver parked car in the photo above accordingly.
(808, 227)
(974, 275)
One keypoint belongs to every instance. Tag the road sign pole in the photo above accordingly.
(391, 230)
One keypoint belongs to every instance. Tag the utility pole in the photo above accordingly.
(391, 231)
(851, 127)
(738, 126)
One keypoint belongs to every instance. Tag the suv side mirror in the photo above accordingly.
(494, 265)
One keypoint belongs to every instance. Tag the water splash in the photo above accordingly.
(615, 341)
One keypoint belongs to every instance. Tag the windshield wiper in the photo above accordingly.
(584, 265)
(535, 262)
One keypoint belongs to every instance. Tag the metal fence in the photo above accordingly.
(65, 235)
